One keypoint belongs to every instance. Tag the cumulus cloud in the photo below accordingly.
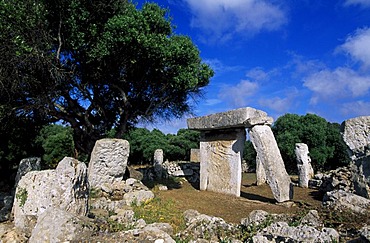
(362, 3)
(281, 104)
(237, 95)
(339, 83)
(357, 108)
(220, 68)
(357, 46)
(223, 18)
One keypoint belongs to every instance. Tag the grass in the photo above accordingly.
(161, 211)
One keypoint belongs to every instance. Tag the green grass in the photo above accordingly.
(161, 211)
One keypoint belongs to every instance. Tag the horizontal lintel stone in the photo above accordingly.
(243, 117)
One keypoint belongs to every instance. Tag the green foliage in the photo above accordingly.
(250, 154)
(22, 196)
(96, 65)
(57, 142)
(143, 143)
(325, 143)
(17, 135)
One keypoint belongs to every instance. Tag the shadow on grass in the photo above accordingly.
(317, 195)
(256, 197)
(171, 183)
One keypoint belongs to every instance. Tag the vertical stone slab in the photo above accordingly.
(157, 162)
(266, 147)
(305, 171)
(108, 161)
(194, 155)
(260, 172)
(221, 153)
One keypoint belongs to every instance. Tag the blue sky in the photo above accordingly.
(286, 56)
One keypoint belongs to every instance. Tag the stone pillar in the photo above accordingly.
(194, 155)
(305, 171)
(157, 162)
(108, 161)
(268, 152)
(260, 172)
(221, 153)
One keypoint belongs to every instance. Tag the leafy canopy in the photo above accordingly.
(325, 143)
(96, 65)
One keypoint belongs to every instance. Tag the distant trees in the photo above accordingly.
(325, 143)
(143, 143)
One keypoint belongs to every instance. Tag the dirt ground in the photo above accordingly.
(232, 208)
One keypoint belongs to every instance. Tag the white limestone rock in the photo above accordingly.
(221, 155)
(356, 134)
(229, 119)
(282, 232)
(66, 188)
(108, 161)
(341, 200)
(57, 225)
(138, 197)
(268, 152)
(305, 170)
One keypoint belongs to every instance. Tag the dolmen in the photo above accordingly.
(221, 149)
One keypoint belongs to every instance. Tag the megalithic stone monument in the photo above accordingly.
(221, 151)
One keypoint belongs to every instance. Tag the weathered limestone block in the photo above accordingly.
(341, 200)
(157, 162)
(356, 134)
(266, 147)
(305, 171)
(66, 187)
(57, 225)
(221, 153)
(195, 155)
(229, 119)
(25, 166)
(108, 161)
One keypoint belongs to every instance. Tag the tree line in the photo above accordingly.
(52, 142)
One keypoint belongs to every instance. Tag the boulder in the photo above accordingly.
(341, 200)
(138, 197)
(356, 134)
(65, 187)
(282, 232)
(305, 171)
(25, 166)
(57, 225)
(6, 203)
(108, 161)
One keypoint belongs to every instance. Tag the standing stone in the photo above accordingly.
(260, 171)
(158, 161)
(25, 166)
(266, 147)
(194, 155)
(108, 161)
(305, 170)
(66, 187)
(221, 153)
(356, 134)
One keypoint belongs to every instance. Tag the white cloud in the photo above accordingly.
(212, 102)
(337, 84)
(357, 46)
(357, 108)
(279, 104)
(219, 67)
(221, 19)
(363, 3)
(237, 95)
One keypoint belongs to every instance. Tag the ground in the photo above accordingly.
(233, 209)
